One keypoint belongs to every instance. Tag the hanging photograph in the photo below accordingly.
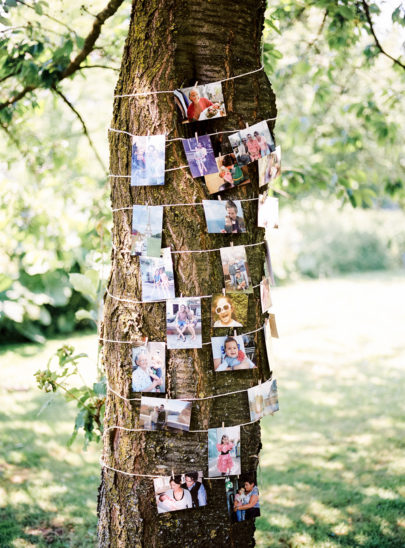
(229, 310)
(148, 160)
(268, 268)
(273, 326)
(229, 175)
(265, 296)
(224, 451)
(231, 353)
(199, 103)
(243, 498)
(183, 323)
(164, 414)
(200, 156)
(252, 143)
(149, 368)
(224, 216)
(180, 492)
(157, 277)
(269, 167)
(269, 343)
(263, 399)
(236, 270)
(147, 230)
(267, 216)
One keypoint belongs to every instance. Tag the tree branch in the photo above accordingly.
(84, 127)
(98, 66)
(376, 40)
(74, 65)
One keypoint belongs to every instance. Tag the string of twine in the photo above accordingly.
(144, 93)
(114, 130)
(186, 399)
(131, 301)
(175, 252)
(204, 343)
(179, 205)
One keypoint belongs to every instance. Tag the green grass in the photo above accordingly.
(333, 463)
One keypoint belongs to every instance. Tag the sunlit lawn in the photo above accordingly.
(333, 463)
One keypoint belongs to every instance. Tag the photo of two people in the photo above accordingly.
(148, 160)
(164, 414)
(229, 175)
(243, 498)
(224, 216)
(235, 269)
(183, 323)
(149, 367)
(181, 492)
(157, 276)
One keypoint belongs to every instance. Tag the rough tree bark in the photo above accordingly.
(170, 43)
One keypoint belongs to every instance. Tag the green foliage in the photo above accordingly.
(90, 400)
(344, 132)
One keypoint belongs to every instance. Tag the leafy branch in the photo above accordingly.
(376, 40)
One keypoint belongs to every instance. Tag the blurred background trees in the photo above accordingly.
(338, 69)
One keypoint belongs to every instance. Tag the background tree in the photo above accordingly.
(199, 46)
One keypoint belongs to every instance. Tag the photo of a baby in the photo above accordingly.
(233, 353)
(225, 217)
(181, 492)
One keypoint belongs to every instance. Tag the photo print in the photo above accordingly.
(263, 399)
(243, 498)
(235, 269)
(224, 451)
(148, 160)
(252, 143)
(180, 492)
(229, 175)
(157, 277)
(270, 167)
(200, 156)
(265, 296)
(269, 343)
(231, 353)
(267, 216)
(146, 230)
(183, 323)
(268, 267)
(200, 103)
(164, 414)
(149, 368)
(229, 310)
(224, 216)
(273, 326)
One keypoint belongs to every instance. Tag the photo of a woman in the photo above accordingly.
(175, 498)
(148, 368)
(229, 310)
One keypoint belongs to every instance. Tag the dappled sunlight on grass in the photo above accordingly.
(333, 458)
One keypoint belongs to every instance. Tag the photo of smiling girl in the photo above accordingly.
(229, 310)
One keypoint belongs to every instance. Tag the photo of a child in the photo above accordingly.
(229, 310)
(243, 498)
(229, 175)
(224, 451)
(270, 167)
(157, 276)
(225, 217)
(233, 353)
(200, 156)
(235, 269)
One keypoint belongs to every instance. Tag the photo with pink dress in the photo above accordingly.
(224, 451)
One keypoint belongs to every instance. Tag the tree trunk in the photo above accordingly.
(172, 43)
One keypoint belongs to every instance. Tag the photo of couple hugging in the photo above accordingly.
(252, 143)
(180, 492)
(148, 368)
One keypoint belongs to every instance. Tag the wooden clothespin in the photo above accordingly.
(231, 244)
(223, 291)
(223, 424)
(220, 198)
(196, 137)
(247, 125)
(196, 84)
(234, 333)
(260, 381)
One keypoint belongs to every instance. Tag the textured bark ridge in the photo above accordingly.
(172, 43)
